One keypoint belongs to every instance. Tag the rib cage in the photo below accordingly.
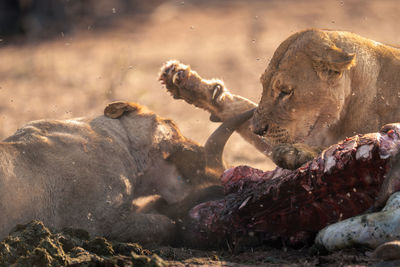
(343, 181)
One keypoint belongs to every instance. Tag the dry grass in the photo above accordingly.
(77, 74)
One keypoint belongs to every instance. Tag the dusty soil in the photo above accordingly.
(266, 256)
(76, 74)
(34, 244)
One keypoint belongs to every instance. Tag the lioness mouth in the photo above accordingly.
(277, 135)
(262, 132)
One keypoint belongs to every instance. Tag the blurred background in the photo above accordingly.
(69, 58)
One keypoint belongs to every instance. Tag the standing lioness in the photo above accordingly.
(322, 86)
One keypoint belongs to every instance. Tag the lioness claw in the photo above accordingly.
(218, 94)
(215, 91)
(178, 77)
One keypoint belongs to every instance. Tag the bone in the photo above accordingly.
(369, 230)
(292, 206)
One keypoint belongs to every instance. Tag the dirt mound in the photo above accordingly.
(33, 244)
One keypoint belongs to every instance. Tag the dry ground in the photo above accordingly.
(76, 74)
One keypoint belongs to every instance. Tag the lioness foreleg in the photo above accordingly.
(292, 156)
(211, 95)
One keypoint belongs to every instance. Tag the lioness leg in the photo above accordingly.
(213, 96)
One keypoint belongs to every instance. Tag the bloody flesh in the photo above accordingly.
(343, 181)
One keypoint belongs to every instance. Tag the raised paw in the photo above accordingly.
(292, 156)
(184, 83)
(172, 75)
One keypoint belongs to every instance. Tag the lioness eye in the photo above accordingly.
(282, 95)
(285, 90)
(333, 72)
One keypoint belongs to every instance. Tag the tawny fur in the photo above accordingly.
(211, 95)
(322, 86)
(88, 172)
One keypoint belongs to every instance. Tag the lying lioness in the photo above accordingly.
(322, 86)
(94, 173)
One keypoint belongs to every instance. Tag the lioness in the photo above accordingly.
(92, 173)
(322, 86)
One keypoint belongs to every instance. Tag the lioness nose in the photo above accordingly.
(262, 130)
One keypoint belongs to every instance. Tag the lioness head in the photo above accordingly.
(304, 89)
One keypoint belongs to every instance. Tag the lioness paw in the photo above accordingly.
(172, 75)
(184, 83)
(292, 156)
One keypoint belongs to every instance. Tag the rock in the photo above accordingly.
(388, 251)
(369, 230)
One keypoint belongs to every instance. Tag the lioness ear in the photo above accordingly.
(116, 109)
(331, 62)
